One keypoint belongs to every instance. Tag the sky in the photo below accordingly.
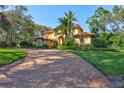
(48, 14)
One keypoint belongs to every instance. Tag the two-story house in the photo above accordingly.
(53, 39)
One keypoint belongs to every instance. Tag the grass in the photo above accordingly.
(109, 63)
(8, 56)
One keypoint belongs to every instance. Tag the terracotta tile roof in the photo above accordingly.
(59, 32)
(88, 33)
(46, 36)
(85, 34)
(77, 26)
(49, 32)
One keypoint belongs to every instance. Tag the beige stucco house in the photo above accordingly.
(53, 39)
(81, 37)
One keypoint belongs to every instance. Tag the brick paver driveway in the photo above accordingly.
(52, 68)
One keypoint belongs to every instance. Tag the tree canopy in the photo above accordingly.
(108, 25)
(16, 25)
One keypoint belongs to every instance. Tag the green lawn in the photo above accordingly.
(109, 63)
(8, 56)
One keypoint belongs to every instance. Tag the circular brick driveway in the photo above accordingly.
(51, 68)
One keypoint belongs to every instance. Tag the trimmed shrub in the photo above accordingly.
(44, 46)
(25, 44)
(99, 43)
(13, 44)
(3, 44)
(105, 49)
(66, 47)
(68, 42)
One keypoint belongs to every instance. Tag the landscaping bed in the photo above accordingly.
(8, 56)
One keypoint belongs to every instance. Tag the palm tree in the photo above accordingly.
(66, 24)
(69, 16)
(63, 26)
